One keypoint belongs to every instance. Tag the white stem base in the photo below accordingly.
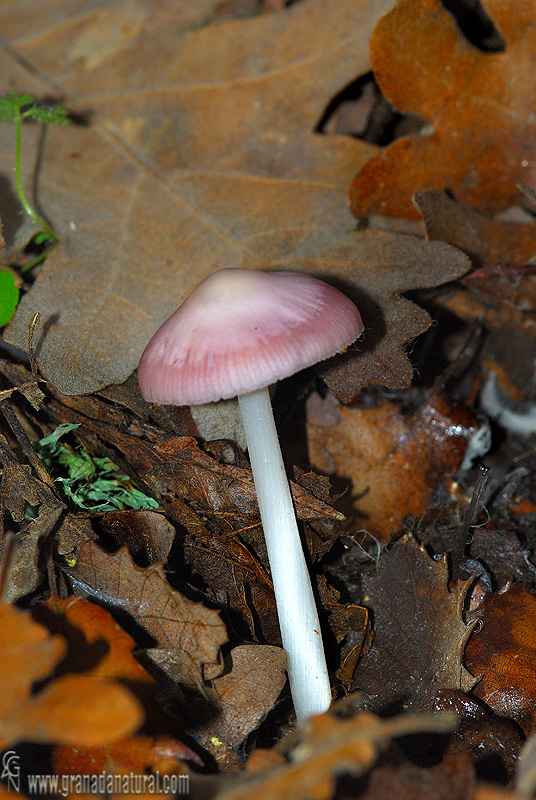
(296, 607)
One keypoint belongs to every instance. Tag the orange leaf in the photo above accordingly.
(480, 106)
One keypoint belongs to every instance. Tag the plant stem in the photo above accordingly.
(20, 190)
(296, 606)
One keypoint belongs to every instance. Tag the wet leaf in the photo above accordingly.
(501, 653)
(479, 141)
(189, 631)
(419, 632)
(73, 709)
(392, 459)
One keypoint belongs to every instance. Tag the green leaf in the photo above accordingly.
(11, 104)
(48, 116)
(9, 296)
(61, 430)
(92, 483)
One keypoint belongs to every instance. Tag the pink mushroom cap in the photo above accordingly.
(241, 330)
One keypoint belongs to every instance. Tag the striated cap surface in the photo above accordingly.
(240, 330)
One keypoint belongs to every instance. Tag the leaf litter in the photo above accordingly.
(193, 644)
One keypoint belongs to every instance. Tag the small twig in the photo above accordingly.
(25, 444)
(472, 512)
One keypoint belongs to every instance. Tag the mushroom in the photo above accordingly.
(238, 332)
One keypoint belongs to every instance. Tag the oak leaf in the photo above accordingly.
(187, 632)
(480, 139)
(73, 709)
(502, 652)
(201, 153)
(419, 632)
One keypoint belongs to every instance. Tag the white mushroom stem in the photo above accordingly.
(296, 607)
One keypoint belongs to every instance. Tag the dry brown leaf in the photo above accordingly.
(493, 244)
(204, 191)
(73, 709)
(257, 189)
(419, 632)
(479, 104)
(393, 460)
(19, 488)
(189, 632)
(245, 694)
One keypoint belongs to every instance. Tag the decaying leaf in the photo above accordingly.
(393, 460)
(419, 632)
(74, 709)
(20, 489)
(479, 103)
(188, 632)
(502, 652)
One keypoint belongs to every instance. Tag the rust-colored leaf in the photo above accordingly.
(481, 144)
(189, 632)
(393, 460)
(419, 632)
(502, 651)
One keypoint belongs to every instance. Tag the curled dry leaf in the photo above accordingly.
(73, 709)
(420, 636)
(188, 632)
(479, 104)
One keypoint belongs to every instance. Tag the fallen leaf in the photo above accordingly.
(142, 531)
(420, 635)
(260, 189)
(480, 734)
(245, 694)
(73, 709)
(479, 142)
(452, 779)
(324, 748)
(502, 652)
(262, 163)
(192, 632)
(493, 244)
(98, 646)
(19, 488)
(391, 459)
